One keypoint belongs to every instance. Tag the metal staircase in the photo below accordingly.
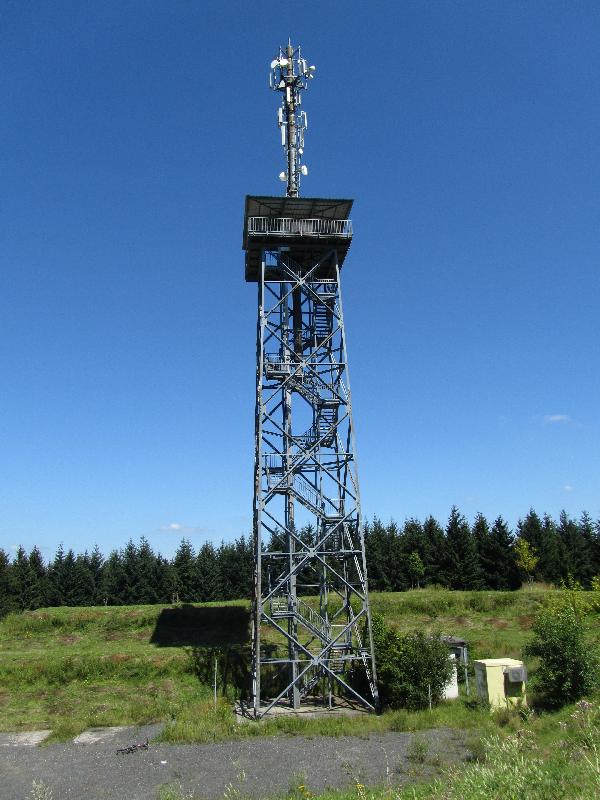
(323, 317)
(285, 607)
(332, 527)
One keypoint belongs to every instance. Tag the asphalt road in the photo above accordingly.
(257, 768)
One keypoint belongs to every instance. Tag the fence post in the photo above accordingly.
(215, 683)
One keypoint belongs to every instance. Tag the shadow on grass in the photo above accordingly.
(191, 626)
(218, 634)
(233, 665)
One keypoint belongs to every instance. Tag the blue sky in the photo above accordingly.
(467, 132)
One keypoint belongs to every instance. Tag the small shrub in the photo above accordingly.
(485, 602)
(477, 749)
(568, 668)
(595, 594)
(173, 793)
(39, 791)
(418, 749)
(502, 717)
(481, 603)
(409, 666)
(475, 703)
(399, 721)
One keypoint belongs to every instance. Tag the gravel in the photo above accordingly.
(259, 767)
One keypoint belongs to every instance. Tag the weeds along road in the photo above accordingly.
(260, 767)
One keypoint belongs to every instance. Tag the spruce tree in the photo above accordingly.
(187, 576)
(577, 562)
(486, 552)
(81, 589)
(96, 562)
(166, 580)
(373, 556)
(410, 541)
(382, 551)
(530, 529)
(146, 574)
(413, 538)
(36, 562)
(7, 603)
(551, 552)
(502, 541)
(113, 584)
(56, 579)
(436, 558)
(591, 535)
(227, 570)
(245, 577)
(398, 568)
(463, 563)
(25, 586)
(236, 569)
(70, 579)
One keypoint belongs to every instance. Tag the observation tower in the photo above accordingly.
(312, 639)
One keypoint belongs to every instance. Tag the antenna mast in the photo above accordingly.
(290, 75)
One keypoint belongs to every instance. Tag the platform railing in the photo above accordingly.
(288, 226)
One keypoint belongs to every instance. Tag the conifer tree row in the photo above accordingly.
(416, 554)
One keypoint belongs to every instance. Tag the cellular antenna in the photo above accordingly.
(290, 75)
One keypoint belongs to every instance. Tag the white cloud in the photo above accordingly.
(553, 418)
(567, 487)
(179, 527)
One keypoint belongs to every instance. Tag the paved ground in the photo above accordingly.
(92, 770)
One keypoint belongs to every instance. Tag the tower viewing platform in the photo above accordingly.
(310, 227)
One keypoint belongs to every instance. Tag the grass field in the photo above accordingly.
(68, 669)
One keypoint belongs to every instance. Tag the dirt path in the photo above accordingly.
(257, 768)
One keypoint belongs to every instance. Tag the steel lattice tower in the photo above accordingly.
(308, 533)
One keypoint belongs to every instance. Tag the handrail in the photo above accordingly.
(307, 491)
(289, 226)
(314, 619)
(304, 613)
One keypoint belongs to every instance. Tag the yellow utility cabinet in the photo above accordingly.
(501, 681)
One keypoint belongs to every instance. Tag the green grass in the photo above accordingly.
(69, 669)
(494, 623)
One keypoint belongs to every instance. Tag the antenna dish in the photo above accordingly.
(283, 176)
(304, 169)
